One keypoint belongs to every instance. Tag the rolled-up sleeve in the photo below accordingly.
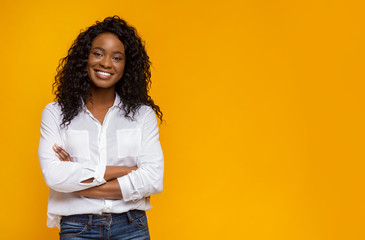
(148, 178)
(59, 175)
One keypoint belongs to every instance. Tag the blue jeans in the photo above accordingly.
(129, 225)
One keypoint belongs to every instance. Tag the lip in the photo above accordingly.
(101, 76)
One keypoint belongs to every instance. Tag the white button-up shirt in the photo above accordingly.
(92, 146)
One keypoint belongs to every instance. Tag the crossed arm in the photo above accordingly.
(110, 189)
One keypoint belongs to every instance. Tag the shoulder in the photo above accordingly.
(148, 117)
(53, 110)
(140, 114)
(145, 109)
(53, 106)
(145, 112)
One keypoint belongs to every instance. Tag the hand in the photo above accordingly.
(61, 153)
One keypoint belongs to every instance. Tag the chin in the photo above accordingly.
(103, 84)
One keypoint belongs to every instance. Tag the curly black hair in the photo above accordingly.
(72, 83)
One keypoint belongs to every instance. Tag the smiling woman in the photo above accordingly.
(106, 61)
(99, 149)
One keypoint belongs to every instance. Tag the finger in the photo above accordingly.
(57, 150)
(62, 152)
(54, 147)
(59, 157)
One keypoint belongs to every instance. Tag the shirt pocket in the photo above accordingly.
(77, 144)
(128, 141)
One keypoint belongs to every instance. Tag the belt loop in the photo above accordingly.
(130, 219)
(90, 222)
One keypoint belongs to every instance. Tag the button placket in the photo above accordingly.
(107, 205)
(103, 154)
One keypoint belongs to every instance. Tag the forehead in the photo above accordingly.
(108, 41)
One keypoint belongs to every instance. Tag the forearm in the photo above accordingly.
(113, 172)
(69, 177)
(109, 190)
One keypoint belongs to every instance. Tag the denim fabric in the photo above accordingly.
(130, 225)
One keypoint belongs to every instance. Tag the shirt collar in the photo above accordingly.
(115, 104)
(116, 100)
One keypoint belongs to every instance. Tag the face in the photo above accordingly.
(106, 61)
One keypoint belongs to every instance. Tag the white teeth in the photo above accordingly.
(104, 73)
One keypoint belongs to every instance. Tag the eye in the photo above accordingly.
(117, 58)
(97, 54)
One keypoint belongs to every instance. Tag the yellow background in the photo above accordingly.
(264, 103)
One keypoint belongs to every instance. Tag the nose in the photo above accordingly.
(105, 62)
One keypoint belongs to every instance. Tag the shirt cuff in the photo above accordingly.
(128, 191)
(96, 172)
(99, 173)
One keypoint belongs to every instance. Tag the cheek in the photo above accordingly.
(120, 69)
(90, 64)
(120, 73)
(91, 61)
(88, 68)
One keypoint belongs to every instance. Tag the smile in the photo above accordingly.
(103, 73)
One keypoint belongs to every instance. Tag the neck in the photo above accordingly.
(101, 97)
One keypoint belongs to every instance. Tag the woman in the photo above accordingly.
(99, 149)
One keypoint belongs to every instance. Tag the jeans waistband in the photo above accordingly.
(89, 218)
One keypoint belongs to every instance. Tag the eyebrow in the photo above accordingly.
(102, 49)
